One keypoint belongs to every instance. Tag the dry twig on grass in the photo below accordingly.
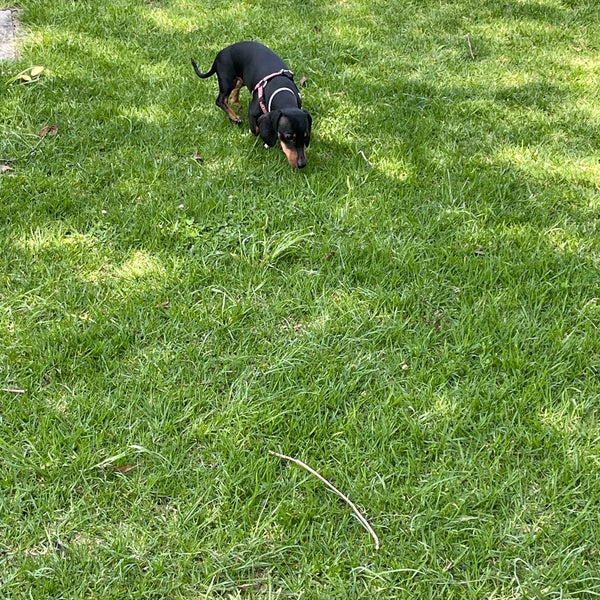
(365, 157)
(347, 500)
(468, 36)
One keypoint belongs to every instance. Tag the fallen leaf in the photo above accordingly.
(5, 168)
(28, 75)
(479, 251)
(49, 130)
(165, 304)
(303, 81)
(197, 158)
(123, 468)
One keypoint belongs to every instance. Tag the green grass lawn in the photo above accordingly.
(415, 314)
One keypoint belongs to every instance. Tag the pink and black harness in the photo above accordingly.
(259, 88)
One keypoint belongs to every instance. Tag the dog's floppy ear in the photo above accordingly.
(267, 127)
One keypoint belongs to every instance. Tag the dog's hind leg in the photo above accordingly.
(226, 89)
(235, 95)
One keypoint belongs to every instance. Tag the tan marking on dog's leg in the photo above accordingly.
(235, 94)
(233, 117)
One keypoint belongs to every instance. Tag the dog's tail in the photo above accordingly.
(200, 73)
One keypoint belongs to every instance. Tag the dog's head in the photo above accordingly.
(291, 126)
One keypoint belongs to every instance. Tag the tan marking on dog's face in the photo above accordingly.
(291, 154)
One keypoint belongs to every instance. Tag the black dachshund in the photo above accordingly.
(276, 108)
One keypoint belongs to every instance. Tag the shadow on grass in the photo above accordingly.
(427, 318)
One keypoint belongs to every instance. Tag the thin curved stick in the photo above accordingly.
(347, 500)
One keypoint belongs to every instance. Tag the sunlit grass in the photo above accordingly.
(415, 314)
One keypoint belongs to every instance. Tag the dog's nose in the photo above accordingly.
(301, 161)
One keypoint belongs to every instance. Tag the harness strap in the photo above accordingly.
(281, 89)
(259, 88)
